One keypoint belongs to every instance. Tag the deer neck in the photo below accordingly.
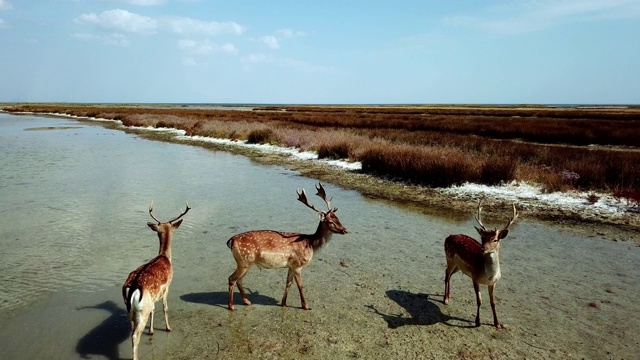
(321, 237)
(165, 245)
(492, 265)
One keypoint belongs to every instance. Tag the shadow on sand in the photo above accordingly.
(105, 338)
(222, 298)
(421, 308)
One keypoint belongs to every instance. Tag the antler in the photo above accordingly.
(513, 218)
(153, 217)
(323, 195)
(183, 214)
(170, 221)
(478, 216)
(302, 197)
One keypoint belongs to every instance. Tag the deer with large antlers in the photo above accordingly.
(150, 282)
(274, 249)
(479, 261)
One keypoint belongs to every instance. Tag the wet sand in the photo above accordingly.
(560, 297)
(374, 293)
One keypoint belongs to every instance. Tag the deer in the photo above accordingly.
(479, 261)
(275, 249)
(150, 282)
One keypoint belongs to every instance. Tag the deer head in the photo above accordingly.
(491, 238)
(165, 229)
(161, 227)
(327, 218)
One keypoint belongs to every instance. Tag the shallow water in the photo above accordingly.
(73, 210)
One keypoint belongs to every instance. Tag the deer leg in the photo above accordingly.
(496, 323)
(286, 287)
(476, 288)
(243, 294)
(238, 274)
(298, 278)
(449, 271)
(165, 309)
(140, 321)
(153, 310)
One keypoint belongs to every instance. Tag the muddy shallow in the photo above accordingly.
(74, 212)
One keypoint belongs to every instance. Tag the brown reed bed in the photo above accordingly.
(435, 146)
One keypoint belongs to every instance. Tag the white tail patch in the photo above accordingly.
(133, 301)
(136, 299)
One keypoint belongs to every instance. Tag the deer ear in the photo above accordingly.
(153, 226)
(478, 230)
(177, 224)
(503, 233)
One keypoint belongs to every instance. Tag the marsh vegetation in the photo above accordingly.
(583, 148)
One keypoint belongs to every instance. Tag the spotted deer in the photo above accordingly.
(479, 261)
(150, 282)
(275, 249)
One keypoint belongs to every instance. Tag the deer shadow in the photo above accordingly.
(105, 338)
(221, 299)
(421, 308)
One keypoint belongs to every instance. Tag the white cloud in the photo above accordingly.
(189, 61)
(288, 33)
(120, 20)
(125, 22)
(228, 49)
(189, 26)
(271, 42)
(285, 33)
(110, 39)
(206, 47)
(5, 5)
(274, 41)
(257, 58)
(523, 17)
(187, 44)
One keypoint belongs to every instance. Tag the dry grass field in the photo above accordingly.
(584, 148)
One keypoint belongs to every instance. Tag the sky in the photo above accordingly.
(321, 52)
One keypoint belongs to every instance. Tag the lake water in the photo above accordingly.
(74, 200)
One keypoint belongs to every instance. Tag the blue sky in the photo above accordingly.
(330, 51)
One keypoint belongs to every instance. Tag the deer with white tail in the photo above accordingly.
(274, 249)
(150, 282)
(479, 261)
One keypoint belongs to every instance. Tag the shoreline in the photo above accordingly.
(608, 217)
